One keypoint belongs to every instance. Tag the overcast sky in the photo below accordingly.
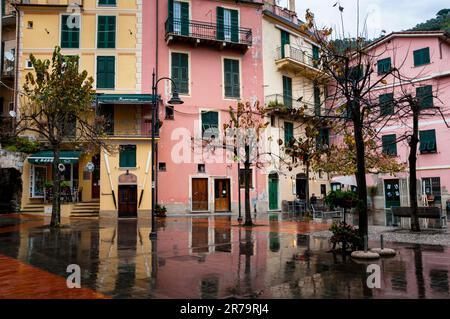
(388, 15)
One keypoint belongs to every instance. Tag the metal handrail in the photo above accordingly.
(298, 55)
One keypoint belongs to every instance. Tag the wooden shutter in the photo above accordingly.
(424, 95)
(185, 18)
(180, 71)
(127, 156)
(427, 141)
(389, 144)
(220, 24)
(317, 101)
(231, 78)
(70, 37)
(106, 32)
(422, 56)
(386, 102)
(287, 91)
(210, 120)
(234, 25)
(284, 40)
(288, 133)
(105, 72)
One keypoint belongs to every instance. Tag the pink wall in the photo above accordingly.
(206, 75)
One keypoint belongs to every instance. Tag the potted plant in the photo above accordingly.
(160, 210)
(346, 236)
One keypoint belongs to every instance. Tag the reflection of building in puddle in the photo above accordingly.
(210, 234)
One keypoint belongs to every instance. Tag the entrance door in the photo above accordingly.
(392, 193)
(39, 179)
(222, 195)
(273, 191)
(95, 188)
(127, 200)
(199, 194)
(300, 188)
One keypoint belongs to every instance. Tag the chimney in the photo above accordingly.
(292, 5)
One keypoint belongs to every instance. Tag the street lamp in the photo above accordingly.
(174, 100)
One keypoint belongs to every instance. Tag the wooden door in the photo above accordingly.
(127, 201)
(222, 197)
(199, 194)
(273, 192)
(392, 193)
(95, 188)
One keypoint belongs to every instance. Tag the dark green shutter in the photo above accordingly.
(427, 141)
(284, 40)
(316, 56)
(231, 78)
(421, 57)
(386, 102)
(323, 137)
(287, 91)
(317, 101)
(424, 96)
(106, 32)
(220, 24)
(105, 72)
(288, 133)
(234, 26)
(180, 72)
(169, 25)
(184, 18)
(384, 66)
(389, 144)
(70, 37)
(127, 156)
(106, 2)
(210, 120)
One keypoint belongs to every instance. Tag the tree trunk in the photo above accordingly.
(56, 202)
(307, 185)
(412, 159)
(361, 207)
(248, 214)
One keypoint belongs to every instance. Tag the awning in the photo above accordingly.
(125, 98)
(345, 180)
(46, 157)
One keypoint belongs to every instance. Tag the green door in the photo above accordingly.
(284, 40)
(392, 193)
(273, 191)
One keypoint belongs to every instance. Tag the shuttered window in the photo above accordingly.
(127, 156)
(323, 138)
(316, 55)
(424, 96)
(317, 101)
(427, 141)
(106, 32)
(105, 72)
(389, 144)
(227, 24)
(421, 57)
(284, 40)
(384, 66)
(210, 124)
(287, 91)
(232, 78)
(180, 71)
(107, 3)
(70, 32)
(386, 102)
(288, 133)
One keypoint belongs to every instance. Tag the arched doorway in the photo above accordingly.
(273, 191)
(127, 195)
(300, 186)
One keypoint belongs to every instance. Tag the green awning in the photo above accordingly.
(125, 98)
(46, 157)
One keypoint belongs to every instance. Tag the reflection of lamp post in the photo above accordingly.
(174, 100)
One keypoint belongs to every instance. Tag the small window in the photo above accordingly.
(232, 78)
(28, 64)
(107, 3)
(432, 188)
(424, 95)
(422, 57)
(427, 141)
(323, 139)
(386, 102)
(210, 124)
(389, 144)
(384, 66)
(162, 167)
(242, 178)
(201, 168)
(127, 156)
(30, 24)
(169, 113)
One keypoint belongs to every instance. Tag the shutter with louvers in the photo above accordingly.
(234, 25)
(106, 32)
(424, 95)
(105, 72)
(210, 123)
(220, 24)
(427, 141)
(184, 18)
(288, 133)
(287, 91)
(180, 72)
(284, 40)
(317, 101)
(389, 144)
(386, 102)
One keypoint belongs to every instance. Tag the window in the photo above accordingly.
(421, 57)
(106, 72)
(106, 32)
(242, 178)
(427, 141)
(386, 102)
(231, 78)
(424, 96)
(111, 3)
(127, 156)
(285, 39)
(288, 134)
(179, 11)
(30, 24)
(227, 24)
(432, 187)
(317, 101)
(28, 64)
(106, 111)
(287, 91)
(201, 168)
(180, 71)
(384, 66)
(162, 167)
(356, 73)
(389, 144)
(210, 124)
(169, 113)
(70, 31)
(315, 55)
(323, 138)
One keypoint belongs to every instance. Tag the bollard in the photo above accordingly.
(365, 244)
(382, 241)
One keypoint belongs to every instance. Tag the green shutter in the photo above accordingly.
(234, 26)
(288, 133)
(424, 96)
(169, 25)
(127, 156)
(323, 137)
(317, 101)
(386, 102)
(384, 66)
(106, 33)
(106, 2)
(421, 57)
(185, 18)
(180, 72)
(231, 78)
(389, 144)
(70, 37)
(220, 24)
(316, 55)
(210, 120)
(427, 141)
(105, 72)
(284, 40)
(287, 91)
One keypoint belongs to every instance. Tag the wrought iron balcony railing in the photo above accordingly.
(49, 2)
(207, 33)
(291, 52)
(279, 101)
(280, 12)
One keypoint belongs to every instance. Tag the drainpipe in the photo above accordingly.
(157, 67)
(16, 63)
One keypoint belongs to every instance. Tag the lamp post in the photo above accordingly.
(174, 100)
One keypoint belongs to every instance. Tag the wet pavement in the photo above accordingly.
(203, 257)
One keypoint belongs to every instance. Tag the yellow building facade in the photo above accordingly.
(107, 37)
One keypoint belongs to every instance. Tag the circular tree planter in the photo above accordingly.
(361, 254)
(384, 252)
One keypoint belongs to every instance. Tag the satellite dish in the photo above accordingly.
(12, 114)
(9, 56)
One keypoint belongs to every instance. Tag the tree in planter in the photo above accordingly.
(57, 109)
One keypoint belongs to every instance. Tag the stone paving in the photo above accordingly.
(204, 257)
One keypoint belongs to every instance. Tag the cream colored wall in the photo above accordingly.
(143, 148)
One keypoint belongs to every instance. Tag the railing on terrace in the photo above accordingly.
(129, 128)
(284, 13)
(296, 54)
(277, 101)
(50, 2)
(208, 31)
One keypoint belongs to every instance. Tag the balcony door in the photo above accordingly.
(181, 17)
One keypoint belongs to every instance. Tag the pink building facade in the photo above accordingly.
(212, 49)
(423, 58)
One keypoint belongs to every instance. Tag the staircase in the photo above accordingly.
(86, 209)
(33, 208)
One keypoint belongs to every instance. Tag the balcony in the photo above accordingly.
(278, 103)
(207, 34)
(283, 13)
(50, 3)
(296, 60)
